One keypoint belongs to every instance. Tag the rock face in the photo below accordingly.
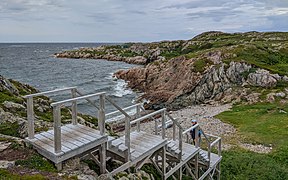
(263, 78)
(174, 84)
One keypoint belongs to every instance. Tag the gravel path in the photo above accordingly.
(210, 125)
(203, 113)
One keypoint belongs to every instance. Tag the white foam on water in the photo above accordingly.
(120, 116)
(121, 89)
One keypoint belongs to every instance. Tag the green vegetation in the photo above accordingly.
(10, 129)
(240, 164)
(7, 96)
(263, 123)
(200, 64)
(5, 174)
(36, 162)
(260, 123)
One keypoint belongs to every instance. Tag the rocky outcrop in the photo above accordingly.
(263, 78)
(5, 84)
(103, 53)
(175, 85)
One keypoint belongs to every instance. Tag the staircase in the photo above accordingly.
(173, 149)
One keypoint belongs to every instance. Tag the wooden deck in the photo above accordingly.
(75, 139)
(171, 157)
(142, 144)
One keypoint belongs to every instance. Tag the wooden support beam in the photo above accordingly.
(190, 171)
(74, 107)
(102, 155)
(30, 117)
(57, 129)
(163, 163)
(219, 171)
(127, 137)
(58, 166)
(156, 166)
(196, 165)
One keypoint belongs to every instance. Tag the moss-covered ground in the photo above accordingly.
(261, 123)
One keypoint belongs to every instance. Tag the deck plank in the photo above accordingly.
(77, 135)
(66, 140)
(85, 130)
(49, 142)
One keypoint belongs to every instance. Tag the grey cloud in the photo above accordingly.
(102, 18)
(137, 12)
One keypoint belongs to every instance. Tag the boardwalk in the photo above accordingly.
(171, 157)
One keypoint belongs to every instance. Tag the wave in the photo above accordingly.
(121, 89)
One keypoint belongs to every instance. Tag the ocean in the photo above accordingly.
(34, 64)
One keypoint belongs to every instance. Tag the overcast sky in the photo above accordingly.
(134, 20)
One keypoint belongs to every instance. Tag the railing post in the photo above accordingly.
(127, 137)
(163, 124)
(74, 107)
(101, 115)
(197, 137)
(57, 128)
(219, 148)
(156, 127)
(137, 116)
(30, 117)
(180, 142)
(174, 131)
(209, 154)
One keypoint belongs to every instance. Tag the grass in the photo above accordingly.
(5, 174)
(37, 162)
(200, 64)
(263, 123)
(10, 129)
(241, 164)
(260, 123)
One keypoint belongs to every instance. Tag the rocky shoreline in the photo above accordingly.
(213, 67)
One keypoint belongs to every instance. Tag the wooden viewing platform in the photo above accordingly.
(171, 156)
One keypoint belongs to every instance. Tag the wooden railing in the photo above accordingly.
(57, 115)
(30, 107)
(180, 136)
(137, 120)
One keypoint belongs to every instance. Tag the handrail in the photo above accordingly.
(77, 98)
(191, 128)
(205, 135)
(216, 141)
(129, 107)
(117, 107)
(147, 116)
(48, 92)
(176, 122)
(91, 102)
(30, 107)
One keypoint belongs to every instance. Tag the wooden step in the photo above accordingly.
(116, 143)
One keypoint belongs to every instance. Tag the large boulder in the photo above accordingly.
(262, 78)
(5, 84)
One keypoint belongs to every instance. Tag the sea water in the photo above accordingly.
(34, 64)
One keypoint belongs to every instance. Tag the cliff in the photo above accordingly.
(212, 67)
